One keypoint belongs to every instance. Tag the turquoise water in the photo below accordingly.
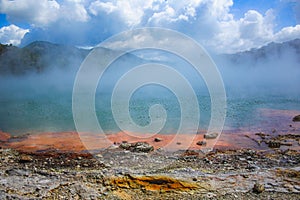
(39, 103)
(52, 111)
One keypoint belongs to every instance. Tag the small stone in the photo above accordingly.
(245, 176)
(286, 144)
(125, 145)
(296, 118)
(112, 147)
(297, 187)
(157, 139)
(258, 188)
(25, 159)
(194, 179)
(210, 195)
(274, 144)
(211, 135)
(201, 143)
(99, 156)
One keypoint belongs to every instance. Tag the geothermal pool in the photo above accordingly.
(52, 111)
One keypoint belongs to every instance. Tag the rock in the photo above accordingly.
(274, 144)
(297, 187)
(142, 147)
(137, 147)
(25, 159)
(201, 143)
(296, 118)
(17, 172)
(258, 188)
(157, 139)
(242, 159)
(85, 165)
(153, 183)
(245, 176)
(211, 135)
(210, 195)
(286, 143)
(112, 147)
(99, 156)
(125, 145)
(262, 135)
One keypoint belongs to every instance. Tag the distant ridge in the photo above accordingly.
(40, 56)
(272, 50)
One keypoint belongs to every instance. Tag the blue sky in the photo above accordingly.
(285, 15)
(223, 26)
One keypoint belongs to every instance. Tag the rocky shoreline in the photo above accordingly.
(116, 173)
(257, 165)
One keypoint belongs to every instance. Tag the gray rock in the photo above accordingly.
(125, 145)
(137, 147)
(211, 135)
(258, 188)
(274, 144)
(201, 143)
(296, 118)
(142, 147)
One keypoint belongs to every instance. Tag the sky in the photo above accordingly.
(221, 26)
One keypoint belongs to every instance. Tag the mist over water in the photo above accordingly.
(42, 102)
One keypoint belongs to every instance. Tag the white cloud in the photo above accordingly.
(208, 21)
(12, 34)
(43, 12)
(74, 10)
(253, 30)
(130, 12)
(288, 33)
(37, 13)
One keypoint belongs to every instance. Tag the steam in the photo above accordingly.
(42, 101)
(273, 70)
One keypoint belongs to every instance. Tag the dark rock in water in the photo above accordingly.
(258, 188)
(201, 143)
(157, 139)
(137, 147)
(211, 135)
(296, 118)
(274, 144)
